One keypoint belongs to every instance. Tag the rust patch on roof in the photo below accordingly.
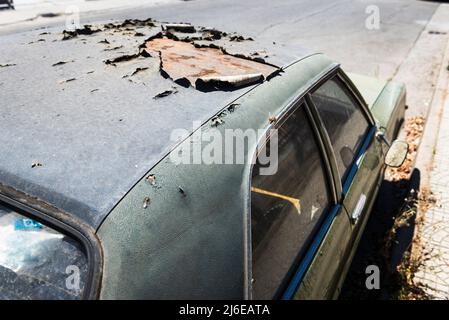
(207, 67)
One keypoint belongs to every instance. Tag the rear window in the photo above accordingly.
(37, 262)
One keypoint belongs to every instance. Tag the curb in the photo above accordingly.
(429, 140)
(424, 277)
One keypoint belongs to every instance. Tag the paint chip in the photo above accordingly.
(36, 164)
(146, 202)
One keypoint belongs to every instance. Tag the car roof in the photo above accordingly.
(83, 119)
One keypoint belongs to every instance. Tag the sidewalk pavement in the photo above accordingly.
(433, 273)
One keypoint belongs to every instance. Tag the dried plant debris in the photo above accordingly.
(414, 128)
(409, 289)
(415, 205)
(424, 201)
(406, 213)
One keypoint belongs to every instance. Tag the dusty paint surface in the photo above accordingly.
(102, 116)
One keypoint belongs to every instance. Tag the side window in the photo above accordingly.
(345, 122)
(287, 205)
(37, 262)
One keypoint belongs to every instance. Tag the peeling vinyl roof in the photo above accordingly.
(199, 66)
(86, 113)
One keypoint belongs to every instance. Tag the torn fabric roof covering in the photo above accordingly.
(94, 127)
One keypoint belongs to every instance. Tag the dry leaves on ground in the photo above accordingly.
(414, 128)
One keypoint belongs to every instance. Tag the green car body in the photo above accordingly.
(92, 181)
(192, 240)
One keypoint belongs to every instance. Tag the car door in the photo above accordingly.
(293, 209)
(350, 134)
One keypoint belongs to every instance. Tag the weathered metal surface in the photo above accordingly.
(190, 239)
(183, 60)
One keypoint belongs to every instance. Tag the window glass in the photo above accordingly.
(37, 262)
(345, 122)
(287, 205)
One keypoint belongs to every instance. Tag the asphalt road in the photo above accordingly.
(336, 28)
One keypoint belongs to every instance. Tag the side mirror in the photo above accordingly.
(396, 154)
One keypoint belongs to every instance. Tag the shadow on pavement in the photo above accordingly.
(383, 242)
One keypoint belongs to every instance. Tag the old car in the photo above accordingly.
(103, 195)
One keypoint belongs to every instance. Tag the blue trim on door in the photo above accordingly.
(355, 165)
(310, 254)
